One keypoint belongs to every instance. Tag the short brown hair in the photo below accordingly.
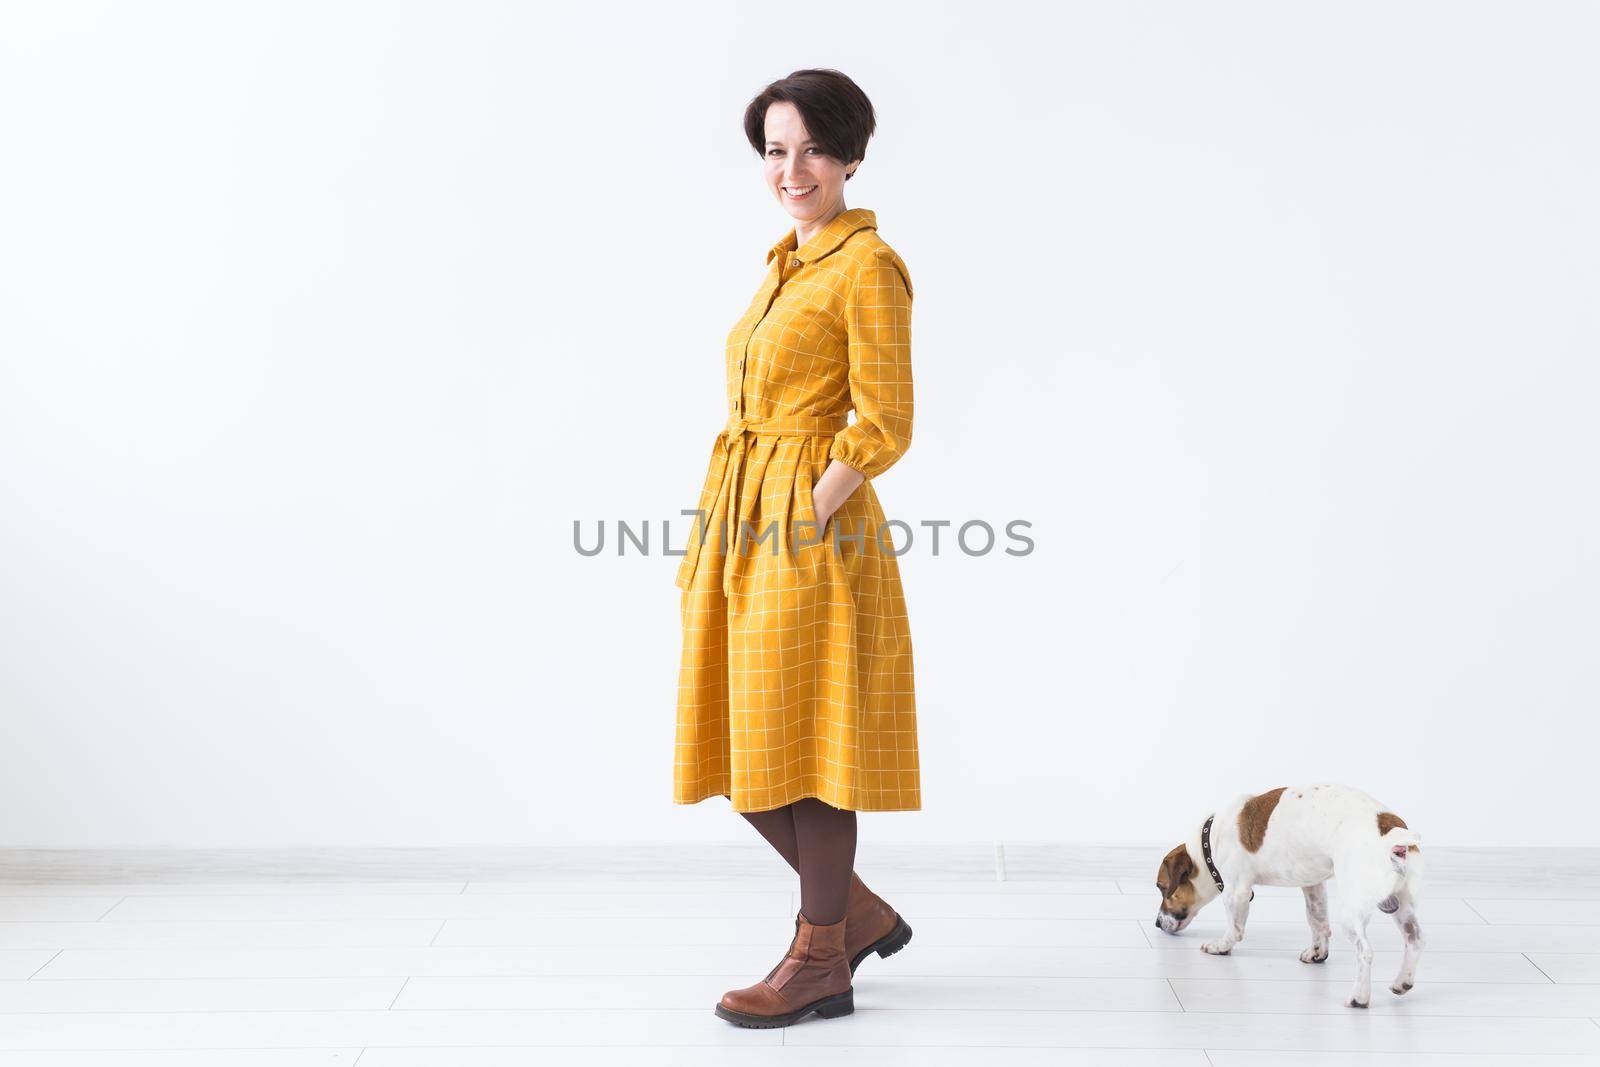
(836, 112)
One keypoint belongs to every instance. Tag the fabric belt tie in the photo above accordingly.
(729, 453)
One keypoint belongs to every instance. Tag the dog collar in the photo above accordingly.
(1205, 850)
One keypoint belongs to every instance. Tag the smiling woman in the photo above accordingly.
(795, 695)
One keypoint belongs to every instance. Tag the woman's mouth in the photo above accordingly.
(798, 192)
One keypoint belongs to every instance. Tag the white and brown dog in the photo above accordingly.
(1301, 836)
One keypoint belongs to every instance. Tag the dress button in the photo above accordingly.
(794, 263)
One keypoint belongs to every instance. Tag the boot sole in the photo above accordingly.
(887, 945)
(829, 1007)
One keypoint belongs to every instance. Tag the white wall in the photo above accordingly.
(320, 324)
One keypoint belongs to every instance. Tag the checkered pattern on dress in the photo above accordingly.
(796, 676)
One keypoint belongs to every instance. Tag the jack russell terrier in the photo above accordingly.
(1302, 835)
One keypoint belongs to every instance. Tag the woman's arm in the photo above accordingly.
(878, 317)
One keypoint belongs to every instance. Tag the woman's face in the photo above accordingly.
(795, 165)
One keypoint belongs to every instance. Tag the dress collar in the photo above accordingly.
(827, 239)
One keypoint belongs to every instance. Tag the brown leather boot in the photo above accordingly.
(813, 975)
(871, 925)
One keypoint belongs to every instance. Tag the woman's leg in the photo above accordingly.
(777, 826)
(831, 847)
(815, 973)
(826, 840)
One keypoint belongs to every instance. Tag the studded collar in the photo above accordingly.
(1205, 851)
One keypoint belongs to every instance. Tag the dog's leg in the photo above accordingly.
(1317, 916)
(1352, 922)
(1405, 917)
(1236, 905)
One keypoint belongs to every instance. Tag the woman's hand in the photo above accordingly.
(832, 490)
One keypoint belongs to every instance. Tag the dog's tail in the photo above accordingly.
(1405, 856)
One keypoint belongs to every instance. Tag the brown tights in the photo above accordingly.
(819, 842)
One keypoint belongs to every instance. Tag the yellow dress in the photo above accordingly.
(796, 677)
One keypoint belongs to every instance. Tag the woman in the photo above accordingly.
(795, 697)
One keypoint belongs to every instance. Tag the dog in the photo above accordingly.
(1302, 835)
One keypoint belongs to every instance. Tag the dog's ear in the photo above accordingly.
(1176, 868)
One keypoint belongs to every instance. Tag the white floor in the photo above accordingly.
(1021, 955)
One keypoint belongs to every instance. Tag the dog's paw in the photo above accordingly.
(1389, 904)
(1216, 948)
(1401, 988)
(1314, 955)
(1353, 1002)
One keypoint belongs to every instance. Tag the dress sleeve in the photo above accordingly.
(878, 317)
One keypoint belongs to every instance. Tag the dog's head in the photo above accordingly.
(1185, 889)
